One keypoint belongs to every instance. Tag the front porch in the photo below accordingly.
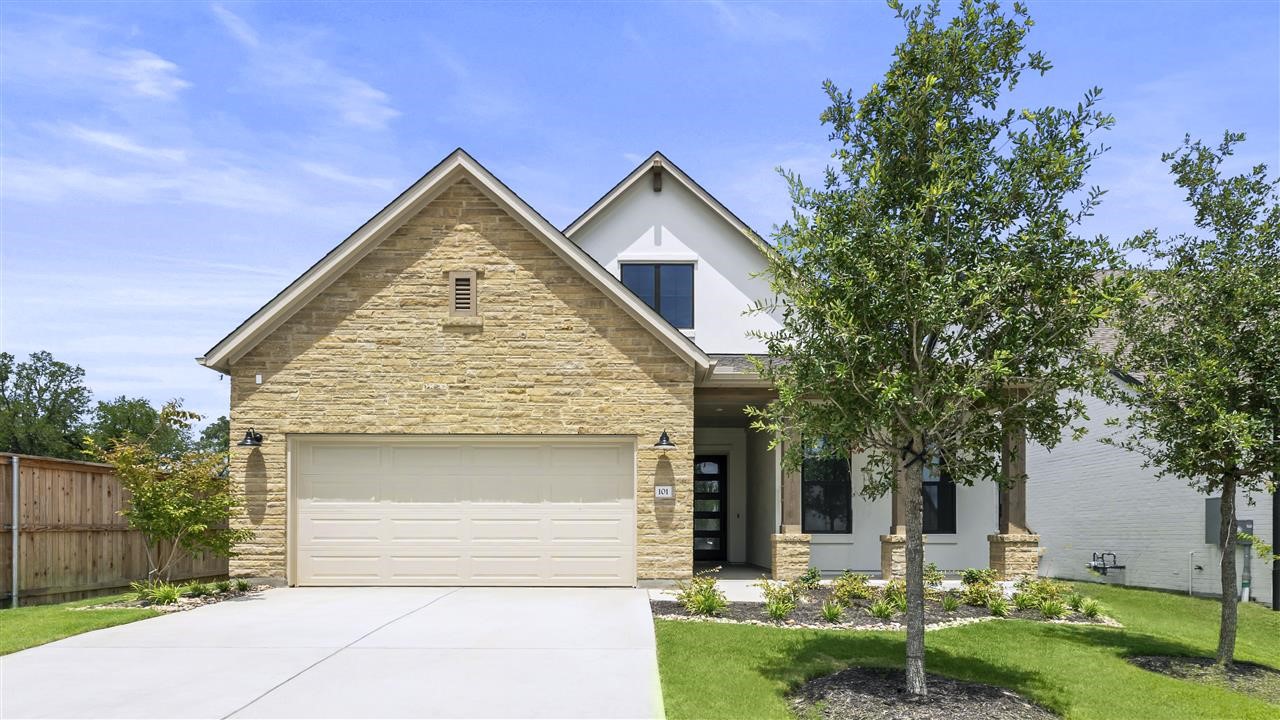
(752, 518)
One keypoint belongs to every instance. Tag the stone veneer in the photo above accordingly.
(1015, 555)
(893, 556)
(377, 352)
(790, 555)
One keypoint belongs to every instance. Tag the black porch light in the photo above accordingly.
(252, 438)
(664, 442)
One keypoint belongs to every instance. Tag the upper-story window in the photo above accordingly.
(665, 287)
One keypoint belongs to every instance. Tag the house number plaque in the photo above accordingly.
(664, 492)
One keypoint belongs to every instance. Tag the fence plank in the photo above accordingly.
(74, 543)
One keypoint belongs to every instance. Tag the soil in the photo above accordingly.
(858, 616)
(184, 602)
(1255, 681)
(879, 694)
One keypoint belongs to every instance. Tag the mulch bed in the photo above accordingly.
(857, 617)
(879, 694)
(184, 602)
(1255, 681)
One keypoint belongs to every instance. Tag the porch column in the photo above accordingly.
(790, 545)
(1015, 550)
(893, 547)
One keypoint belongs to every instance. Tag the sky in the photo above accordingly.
(166, 168)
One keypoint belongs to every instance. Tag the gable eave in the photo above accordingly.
(455, 166)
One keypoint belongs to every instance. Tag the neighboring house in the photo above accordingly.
(1087, 497)
(460, 393)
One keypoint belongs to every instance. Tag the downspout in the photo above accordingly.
(13, 580)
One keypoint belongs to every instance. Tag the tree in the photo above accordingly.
(135, 419)
(182, 504)
(934, 290)
(42, 403)
(216, 436)
(1204, 341)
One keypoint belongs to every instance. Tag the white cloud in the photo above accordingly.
(756, 22)
(329, 172)
(124, 144)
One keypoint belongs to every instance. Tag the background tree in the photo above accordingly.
(42, 405)
(216, 436)
(1204, 338)
(937, 268)
(135, 419)
(182, 504)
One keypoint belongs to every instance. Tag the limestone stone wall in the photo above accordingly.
(1015, 556)
(377, 352)
(790, 555)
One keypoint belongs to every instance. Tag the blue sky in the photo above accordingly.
(166, 168)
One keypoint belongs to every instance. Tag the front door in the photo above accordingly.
(710, 498)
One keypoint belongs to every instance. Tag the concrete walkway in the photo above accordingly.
(356, 653)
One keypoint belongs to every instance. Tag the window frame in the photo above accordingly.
(804, 516)
(657, 286)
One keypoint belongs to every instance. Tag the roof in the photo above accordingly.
(457, 165)
(658, 160)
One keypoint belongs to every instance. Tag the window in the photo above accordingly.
(462, 290)
(939, 501)
(826, 495)
(665, 287)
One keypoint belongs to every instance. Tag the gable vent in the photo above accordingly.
(462, 285)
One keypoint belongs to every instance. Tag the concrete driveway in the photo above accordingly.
(356, 653)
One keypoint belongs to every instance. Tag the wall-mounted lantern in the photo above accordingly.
(664, 442)
(252, 438)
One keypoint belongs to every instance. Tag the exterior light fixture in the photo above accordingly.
(664, 442)
(252, 438)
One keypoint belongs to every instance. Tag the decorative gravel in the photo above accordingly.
(858, 616)
(1256, 681)
(184, 602)
(879, 694)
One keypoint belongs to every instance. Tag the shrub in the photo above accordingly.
(895, 593)
(141, 590)
(165, 594)
(1042, 588)
(998, 607)
(699, 595)
(1053, 609)
(978, 576)
(242, 585)
(950, 603)
(1090, 608)
(933, 577)
(1025, 601)
(851, 586)
(198, 589)
(882, 609)
(223, 586)
(810, 579)
(980, 594)
(1074, 601)
(780, 599)
(832, 611)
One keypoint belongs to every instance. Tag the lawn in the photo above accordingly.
(712, 670)
(24, 627)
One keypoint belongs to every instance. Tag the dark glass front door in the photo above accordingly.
(710, 480)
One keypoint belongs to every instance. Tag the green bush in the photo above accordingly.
(198, 589)
(810, 579)
(780, 599)
(1042, 588)
(950, 603)
(851, 586)
(1074, 601)
(882, 609)
(141, 590)
(700, 596)
(242, 585)
(998, 607)
(979, 595)
(978, 576)
(1053, 609)
(1025, 601)
(223, 586)
(1090, 608)
(165, 594)
(933, 577)
(895, 593)
(832, 611)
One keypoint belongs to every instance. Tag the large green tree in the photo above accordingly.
(935, 288)
(125, 418)
(1204, 340)
(42, 406)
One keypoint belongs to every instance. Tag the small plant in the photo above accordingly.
(1042, 588)
(780, 599)
(1090, 608)
(1025, 601)
(998, 607)
(242, 585)
(978, 576)
(1053, 609)
(810, 579)
(832, 611)
(198, 589)
(882, 609)
(895, 593)
(700, 596)
(851, 586)
(933, 577)
(223, 586)
(164, 594)
(1074, 600)
(141, 590)
(950, 603)
(980, 595)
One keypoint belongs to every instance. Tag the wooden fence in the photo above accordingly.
(72, 541)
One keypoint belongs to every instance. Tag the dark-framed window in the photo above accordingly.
(665, 287)
(826, 496)
(939, 501)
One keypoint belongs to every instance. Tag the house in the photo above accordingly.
(460, 393)
(1091, 498)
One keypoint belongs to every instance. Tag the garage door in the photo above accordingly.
(510, 510)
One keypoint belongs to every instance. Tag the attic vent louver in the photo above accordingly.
(462, 285)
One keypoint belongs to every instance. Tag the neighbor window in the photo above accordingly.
(826, 495)
(939, 501)
(665, 287)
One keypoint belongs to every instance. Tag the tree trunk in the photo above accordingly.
(1227, 536)
(913, 480)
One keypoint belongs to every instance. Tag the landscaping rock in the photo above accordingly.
(879, 694)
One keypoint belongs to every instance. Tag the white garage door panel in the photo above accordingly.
(452, 511)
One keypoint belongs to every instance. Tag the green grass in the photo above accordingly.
(25, 627)
(712, 670)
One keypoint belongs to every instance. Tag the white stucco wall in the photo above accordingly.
(675, 226)
(1087, 497)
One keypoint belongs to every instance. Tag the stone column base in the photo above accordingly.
(1015, 555)
(893, 556)
(790, 555)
